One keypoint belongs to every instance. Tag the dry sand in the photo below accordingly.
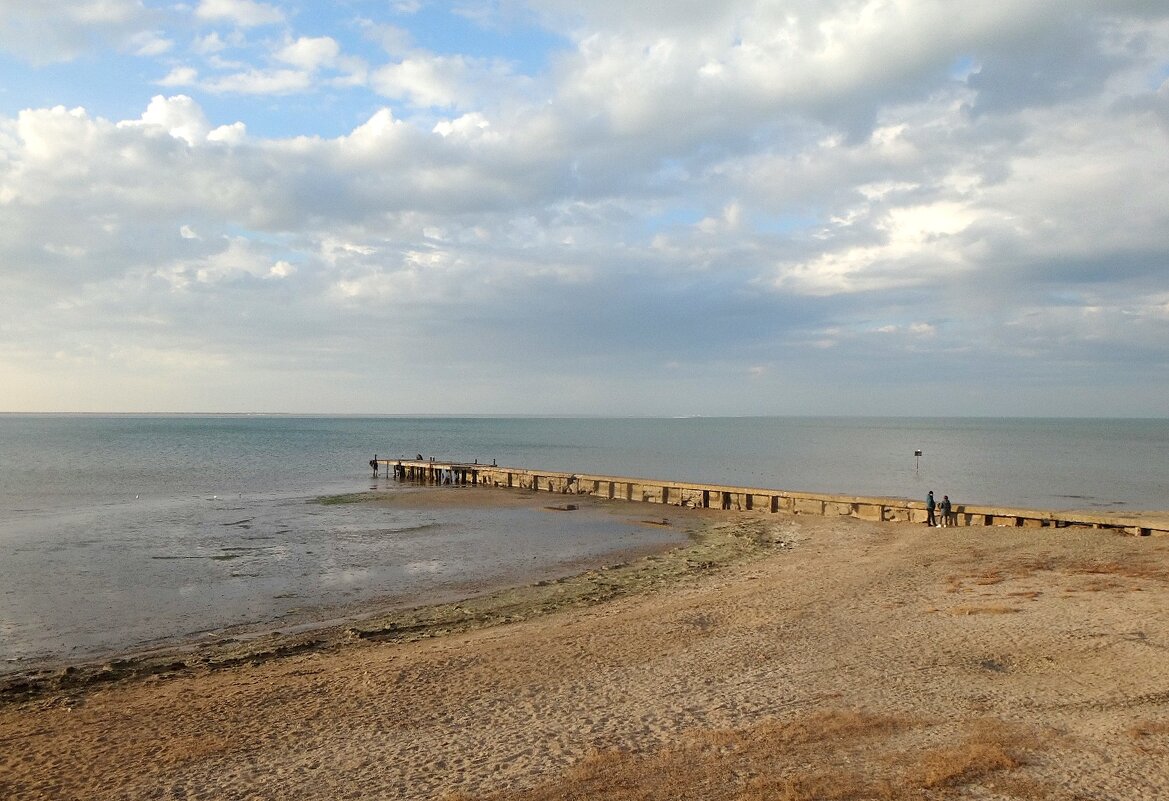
(781, 657)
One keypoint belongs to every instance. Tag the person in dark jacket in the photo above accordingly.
(947, 509)
(930, 505)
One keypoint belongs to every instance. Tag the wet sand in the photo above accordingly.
(776, 656)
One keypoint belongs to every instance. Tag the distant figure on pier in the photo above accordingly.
(930, 505)
(947, 510)
(373, 464)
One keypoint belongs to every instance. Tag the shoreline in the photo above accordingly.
(716, 538)
(475, 605)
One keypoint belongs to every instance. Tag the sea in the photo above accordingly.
(124, 532)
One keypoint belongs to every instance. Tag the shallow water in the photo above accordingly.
(78, 586)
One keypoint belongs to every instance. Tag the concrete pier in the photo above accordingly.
(717, 496)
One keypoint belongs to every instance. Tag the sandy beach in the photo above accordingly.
(775, 657)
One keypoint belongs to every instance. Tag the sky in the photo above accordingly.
(749, 207)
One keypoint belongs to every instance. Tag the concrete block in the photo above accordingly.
(807, 506)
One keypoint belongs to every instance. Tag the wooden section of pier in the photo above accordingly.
(717, 496)
(432, 471)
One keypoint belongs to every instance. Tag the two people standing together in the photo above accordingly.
(945, 509)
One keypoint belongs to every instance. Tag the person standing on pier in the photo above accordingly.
(930, 505)
(373, 464)
(945, 510)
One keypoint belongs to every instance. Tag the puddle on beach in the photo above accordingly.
(80, 586)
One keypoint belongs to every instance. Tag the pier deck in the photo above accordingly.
(718, 496)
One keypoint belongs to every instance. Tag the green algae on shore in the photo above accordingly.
(348, 497)
(712, 547)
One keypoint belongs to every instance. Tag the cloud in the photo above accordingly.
(261, 82)
(180, 76)
(426, 80)
(50, 31)
(294, 66)
(179, 116)
(245, 13)
(754, 207)
(149, 44)
(310, 53)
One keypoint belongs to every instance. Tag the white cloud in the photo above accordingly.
(149, 44)
(912, 245)
(43, 134)
(49, 31)
(375, 134)
(209, 44)
(310, 53)
(312, 63)
(233, 134)
(179, 116)
(239, 258)
(281, 269)
(438, 81)
(261, 82)
(180, 76)
(245, 13)
(468, 126)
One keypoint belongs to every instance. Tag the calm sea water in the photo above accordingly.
(122, 531)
